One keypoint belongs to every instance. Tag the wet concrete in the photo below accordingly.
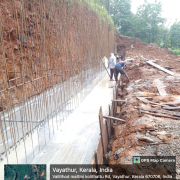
(76, 139)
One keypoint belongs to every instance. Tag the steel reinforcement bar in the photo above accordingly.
(50, 50)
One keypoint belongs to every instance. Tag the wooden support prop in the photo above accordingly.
(118, 100)
(113, 118)
(160, 115)
(160, 67)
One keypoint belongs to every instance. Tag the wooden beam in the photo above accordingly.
(160, 67)
(174, 104)
(172, 113)
(171, 108)
(160, 88)
(118, 100)
(142, 130)
(144, 100)
(151, 144)
(160, 115)
(114, 118)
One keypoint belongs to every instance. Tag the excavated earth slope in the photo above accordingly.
(152, 120)
(45, 42)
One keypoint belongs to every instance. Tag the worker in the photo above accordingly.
(121, 56)
(119, 69)
(117, 58)
(111, 65)
(132, 46)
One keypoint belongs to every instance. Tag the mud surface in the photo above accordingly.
(152, 120)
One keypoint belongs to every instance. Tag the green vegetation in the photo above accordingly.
(8, 173)
(147, 24)
(100, 7)
(22, 170)
(175, 35)
(176, 52)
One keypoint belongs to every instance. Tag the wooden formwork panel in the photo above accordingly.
(114, 102)
(99, 152)
(93, 161)
(104, 132)
(109, 124)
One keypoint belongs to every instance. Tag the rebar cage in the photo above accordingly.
(50, 50)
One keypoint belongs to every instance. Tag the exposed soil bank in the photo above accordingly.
(45, 42)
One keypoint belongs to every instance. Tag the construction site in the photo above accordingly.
(57, 103)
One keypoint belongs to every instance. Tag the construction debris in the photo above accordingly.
(152, 110)
(146, 139)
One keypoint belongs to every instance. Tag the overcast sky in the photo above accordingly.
(171, 9)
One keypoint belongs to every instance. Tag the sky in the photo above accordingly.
(170, 9)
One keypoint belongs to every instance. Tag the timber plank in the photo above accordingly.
(160, 88)
(160, 67)
(114, 118)
(161, 111)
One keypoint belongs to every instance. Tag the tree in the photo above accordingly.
(165, 37)
(120, 10)
(175, 35)
(151, 21)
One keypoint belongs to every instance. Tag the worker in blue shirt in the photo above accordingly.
(119, 69)
(117, 58)
(121, 56)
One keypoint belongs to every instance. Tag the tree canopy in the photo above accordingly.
(175, 35)
(147, 24)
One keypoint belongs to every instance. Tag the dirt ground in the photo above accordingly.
(152, 120)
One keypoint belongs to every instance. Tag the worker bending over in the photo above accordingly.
(119, 69)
